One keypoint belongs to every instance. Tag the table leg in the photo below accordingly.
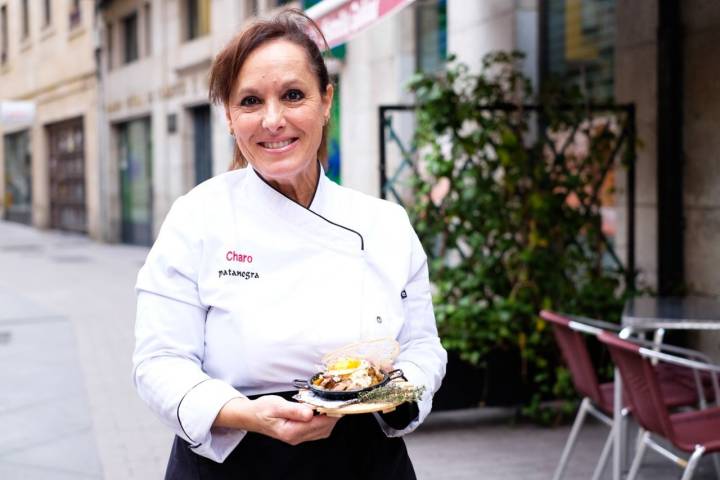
(619, 441)
(619, 445)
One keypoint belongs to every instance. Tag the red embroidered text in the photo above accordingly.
(233, 256)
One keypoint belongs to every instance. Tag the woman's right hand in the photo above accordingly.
(275, 417)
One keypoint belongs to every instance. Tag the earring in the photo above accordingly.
(327, 120)
(232, 134)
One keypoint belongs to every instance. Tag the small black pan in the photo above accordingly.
(345, 394)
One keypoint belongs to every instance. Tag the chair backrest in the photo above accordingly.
(641, 388)
(575, 353)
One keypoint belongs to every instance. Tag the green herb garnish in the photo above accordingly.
(390, 393)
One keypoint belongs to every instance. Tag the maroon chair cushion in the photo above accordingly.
(674, 395)
(670, 373)
(697, 428)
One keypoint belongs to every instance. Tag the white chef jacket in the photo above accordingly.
(245, 290)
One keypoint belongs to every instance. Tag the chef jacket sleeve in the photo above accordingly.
(422, 358)
(170, 331)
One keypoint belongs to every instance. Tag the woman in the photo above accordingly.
(260, 271)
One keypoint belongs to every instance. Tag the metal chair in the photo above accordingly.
(696, 432)
(677, 388)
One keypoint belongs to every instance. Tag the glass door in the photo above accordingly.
(202, 146)
(135, 152)
(18, 183)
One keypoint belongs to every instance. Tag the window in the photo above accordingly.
(110, 46)
(147, 16)
(47, 12)
(130, 37)
(3, 34)
(75, 13)
(577, 42)
(431, 31)
(25, 19)
(197, 15)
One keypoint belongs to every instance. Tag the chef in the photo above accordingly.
(259, 272)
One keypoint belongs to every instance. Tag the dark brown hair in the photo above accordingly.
(290, 24)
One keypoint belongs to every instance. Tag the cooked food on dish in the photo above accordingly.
(347, 374)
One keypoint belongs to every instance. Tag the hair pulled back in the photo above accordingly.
(290, 24)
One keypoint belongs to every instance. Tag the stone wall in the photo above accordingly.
(635, 82)
(701, 116)
(701, 145)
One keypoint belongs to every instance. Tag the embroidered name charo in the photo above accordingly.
(233, 256)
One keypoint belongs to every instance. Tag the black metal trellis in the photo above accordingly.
(626, 140)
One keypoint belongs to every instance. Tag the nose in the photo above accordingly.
(274, 118)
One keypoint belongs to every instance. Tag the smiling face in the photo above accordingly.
(277, 112)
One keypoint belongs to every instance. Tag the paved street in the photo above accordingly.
(68, 409)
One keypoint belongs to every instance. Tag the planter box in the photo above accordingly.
(469, 386)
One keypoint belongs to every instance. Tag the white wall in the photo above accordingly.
(477, 28)
(379, 63)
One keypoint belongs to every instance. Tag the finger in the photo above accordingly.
(298, 432)
(324, 420)
(293, 411)
(319, 427)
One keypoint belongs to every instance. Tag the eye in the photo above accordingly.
(294, 95)
(250, 101)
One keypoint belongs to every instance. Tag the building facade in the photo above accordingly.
(49, 159)
(153, 135)
(161, 135)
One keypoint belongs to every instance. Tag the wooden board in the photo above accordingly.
(357, 408)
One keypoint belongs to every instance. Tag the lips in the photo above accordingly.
(277, 145)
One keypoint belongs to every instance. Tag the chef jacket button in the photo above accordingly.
(378, 319)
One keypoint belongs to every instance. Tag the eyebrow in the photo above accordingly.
(253, 91)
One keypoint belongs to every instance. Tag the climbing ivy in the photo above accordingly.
(507, 202)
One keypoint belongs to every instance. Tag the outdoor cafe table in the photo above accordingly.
(647, 314)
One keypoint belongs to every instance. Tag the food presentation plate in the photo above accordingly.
(338, 408)
(345, 395)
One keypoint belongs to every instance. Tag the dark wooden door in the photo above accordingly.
(67, 176)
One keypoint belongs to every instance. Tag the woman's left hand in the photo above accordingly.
(271, 415)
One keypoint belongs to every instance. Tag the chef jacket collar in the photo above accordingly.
(319, 220)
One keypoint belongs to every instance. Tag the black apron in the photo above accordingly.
(356, 449)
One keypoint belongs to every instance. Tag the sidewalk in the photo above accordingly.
(68, 409)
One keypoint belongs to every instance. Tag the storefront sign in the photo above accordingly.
(340, 20)
(15, 113)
